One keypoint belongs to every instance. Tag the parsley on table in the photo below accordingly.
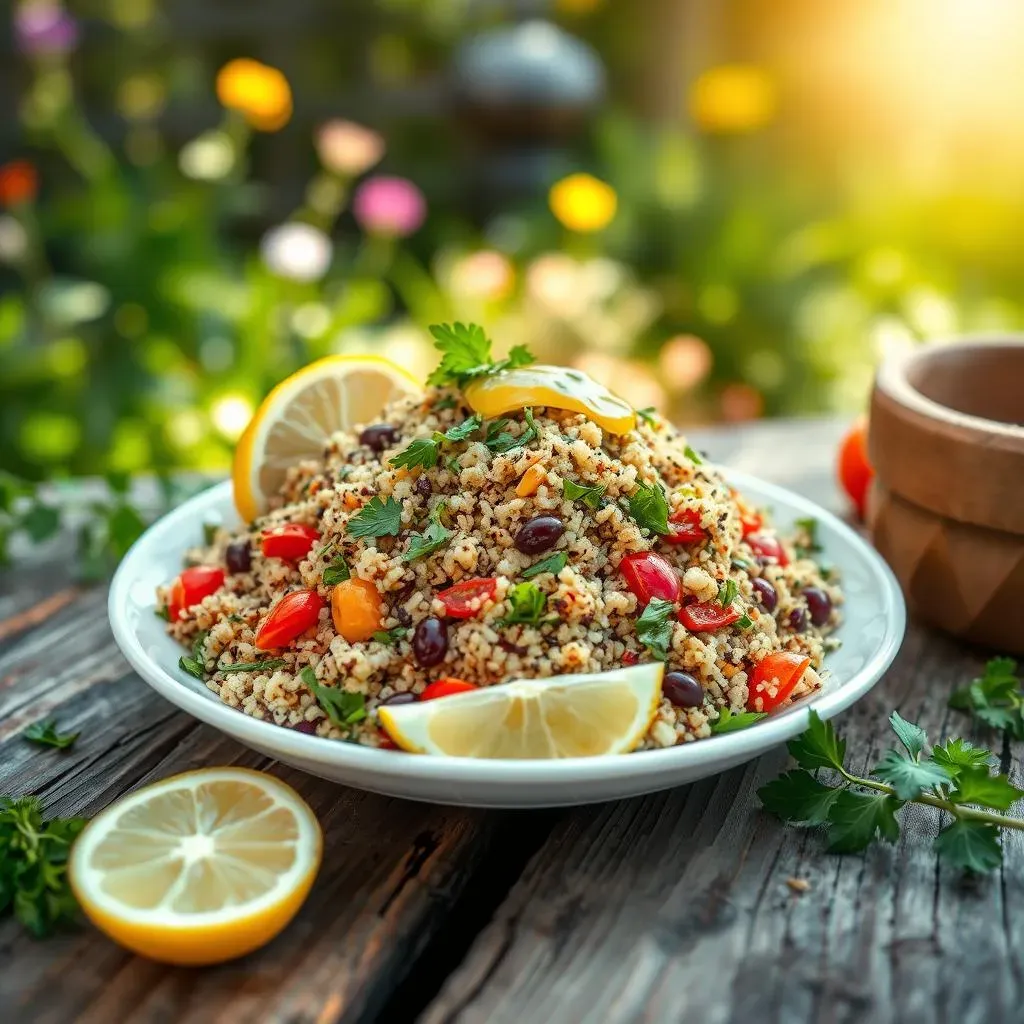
(337, 572)
(654, 627)
(590, 496)
(955, 777)
(253, 666)
(648, 415)
(649, 508)
(694, 456)
(390, 636)
(376, 519)
(553, 563)
(426, 451)
(995, 699)
(33, 866)
(500, 441)
(342, 707)
(45, 735)
(729, 722)
(727, 593)
(526, 605)
(466, 353)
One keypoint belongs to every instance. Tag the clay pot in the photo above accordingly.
(947, 510)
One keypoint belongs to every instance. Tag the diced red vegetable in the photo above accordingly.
(192, 586)
(445, 688)
(767, 545)
(465, 599)
(289, 542)
(855, 471)
(707, 616)
(784, 668)
(684, 527)
(630, 658)
(649, 575)
(751, 522)
(289, 619)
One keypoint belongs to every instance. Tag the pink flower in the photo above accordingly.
(389, 206)
(44, 27)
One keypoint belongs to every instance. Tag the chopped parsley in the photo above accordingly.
(464, 430)
(654, 627)
(210, 532)
(727, 593)
(253, 666)
(501, 441)
(435, 536)
(648, 415)
(45, 735)
(376, 519)
(426, 451)
(744, 622)
(809, 526)
(693, 456)
(341, 707)
(526, 605)
(728, 722)
(649, 508)
(195, 665)
(466, 353)
(336, 572)
(390, 636)
(590, 496)
(162, 613)
(448, 402)
(553, 563)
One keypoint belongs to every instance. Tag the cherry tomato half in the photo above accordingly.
(783, 669)
(707, 616)
(192, 586)
(289, 542)
(649, 575)
(289, 619)
(767, 545)
(684, 527)
(445, 688)
(855, 472)
(751, 522)
(465, 599)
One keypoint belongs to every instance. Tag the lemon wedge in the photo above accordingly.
(557, 387)
(568, 716)
(199, 868)
(299, 416)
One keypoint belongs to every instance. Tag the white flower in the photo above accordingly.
(297, 251)
(13, 239)
(209, 157)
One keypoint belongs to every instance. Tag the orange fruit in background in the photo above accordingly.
(19, 183)
(855, 471)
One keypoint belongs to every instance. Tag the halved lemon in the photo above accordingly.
(569, 716)
(198, 868)
(299, 416)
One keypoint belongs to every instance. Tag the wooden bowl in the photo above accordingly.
(947, 508)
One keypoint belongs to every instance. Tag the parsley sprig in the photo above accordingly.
(466, 353)
(376, 518)
(434, 537)
(592, 497)
(526, 603)
(654, 627)
(45, 734)
(501, 441)
(649, 507)
(553, 563)
(341, 706)
(956, 778)
(995, 698)
(425, 451)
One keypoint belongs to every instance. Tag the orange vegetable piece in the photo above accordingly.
(855, 471)
(530, 480)
(356, 609)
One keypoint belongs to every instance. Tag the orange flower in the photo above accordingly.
(19, 183)
(733, 98)
(261, 93)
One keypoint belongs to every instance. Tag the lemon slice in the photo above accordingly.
(299, 416)
(557, 387)
(569, 716)
(198, 868)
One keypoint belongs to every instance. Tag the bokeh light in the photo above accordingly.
(733, 98)
(297, 251)
(391, 206)
(209, 157)
(684, 361)
(347, 148)
(583, 203)
(230, 414)
(19, 183)
(259, 92)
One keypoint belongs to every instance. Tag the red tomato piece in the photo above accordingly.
(855, 471)
(192, 586)
(289, 619)
(684, 527)
(767, 545)
(289, 542)
(707, 616)
(782, 669)
(630, 658)
(445, 688)
(751, 523)
(649, 575)
(465, 599)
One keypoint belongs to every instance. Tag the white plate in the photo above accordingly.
(874, 621)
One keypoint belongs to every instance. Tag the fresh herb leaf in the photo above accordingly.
(192, 667)
(693, 456)
(730, 722)
(553, 563)
(376, 519)
(434, 537)
(448, 402)
(956, 754)
(501, 441)
(464, 430)
(649, 508)
(798, 796)
(466, 353)
(389, 636)
(162, 613)
(818, 746)
(909, 777)
(425, 451)
(253, 666)
(744, 622)
(526, 604)
(857, 819)
(210, 533)
(978, 786)
(341, 707)
(592, 497)
(970, 846)
(45, 735)
(654, 627)
(453, 465)
(912, 736)
(995, 699)
(809, 526)
(39, 521)
(648, 415)
(337, 572)
(727, 593)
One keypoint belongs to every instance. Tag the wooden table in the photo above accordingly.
(672, 907)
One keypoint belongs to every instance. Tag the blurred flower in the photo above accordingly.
(44, 28)
(389, 206)
(141, 97)
(684, 361)
(552, 279)
(259, 92)
(231, 414)
(486, 274)
(733, 98)
(19, 183)
(13, 239)
(348, 148)
(208, 157)
(741, 402)
(297, 251)
(583, 203)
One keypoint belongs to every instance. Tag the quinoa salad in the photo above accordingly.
(444, 547)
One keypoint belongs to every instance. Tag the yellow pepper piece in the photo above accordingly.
(556, 387)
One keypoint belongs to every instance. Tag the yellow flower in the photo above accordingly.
(582, 203)
(733, 98)
(261, 93)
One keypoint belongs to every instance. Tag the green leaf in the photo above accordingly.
(970, 846)
(654, 627)
(464, 430)
(956, 754)
(978, 786)
(857, 819)
(337, 572)
(909, 777)
(45, 735)
(435, 536)
(124, 527)
(210, 533)
(424, 451)
(40, 521)
(526, 602)
(649, 508)
(389, 636)
(730, 722)
(648, 415)
(798, 796)
(912, 736)
(192, 667)
(501, 441)
(376, 519)
(693, 456)
(818, 746)
(592, 497)
(342, 707)
(553, 563)
(448, 402)
(466, 353)
(727, 592)
(809, 526)
(253, 666)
